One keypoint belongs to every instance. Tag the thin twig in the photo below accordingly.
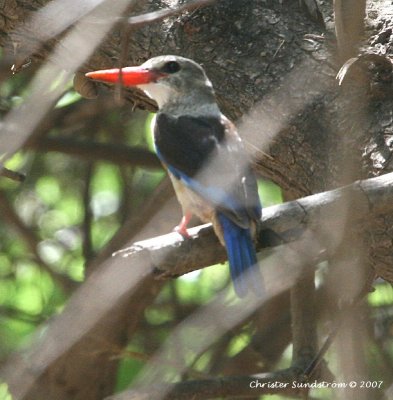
(278, 48)
(275, 54)
(15, 176)
(87, 243)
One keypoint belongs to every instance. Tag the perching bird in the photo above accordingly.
(204, 157)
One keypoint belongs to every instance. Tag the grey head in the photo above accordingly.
(181, 86)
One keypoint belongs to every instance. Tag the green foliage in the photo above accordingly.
(381, 297)
(4, 393)
(48, 190)
(52, 207)
(269, 193)
(128, 371)
(201, 286)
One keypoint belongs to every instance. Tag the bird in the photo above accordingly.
(204, 156)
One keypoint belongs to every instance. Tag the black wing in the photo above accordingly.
(208, 156)
(186, 142)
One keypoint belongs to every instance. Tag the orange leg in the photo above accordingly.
(182, 227)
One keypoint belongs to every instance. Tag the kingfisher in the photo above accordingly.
(204, 157)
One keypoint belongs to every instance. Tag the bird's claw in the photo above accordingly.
(182, 230)
(182, 227)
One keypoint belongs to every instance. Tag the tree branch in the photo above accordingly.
(13, 175)
(174, 256)
(89, 150)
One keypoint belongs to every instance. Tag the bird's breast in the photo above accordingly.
(191, 201)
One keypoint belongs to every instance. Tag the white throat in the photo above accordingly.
(170, 100)
(158, 92)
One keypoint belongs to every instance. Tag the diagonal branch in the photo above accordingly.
(13, 175)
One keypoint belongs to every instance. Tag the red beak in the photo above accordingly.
(129, 76)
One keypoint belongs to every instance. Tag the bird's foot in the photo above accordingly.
(182, 231)
(182, 227)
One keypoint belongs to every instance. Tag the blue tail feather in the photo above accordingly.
(242, 258)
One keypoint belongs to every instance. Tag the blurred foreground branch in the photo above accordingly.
(349, 25)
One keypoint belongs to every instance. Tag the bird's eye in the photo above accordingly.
(171, 67)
